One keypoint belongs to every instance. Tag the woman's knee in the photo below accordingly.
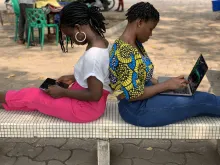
(205, 97)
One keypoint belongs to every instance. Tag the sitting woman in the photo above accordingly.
(85, 99)
(131, 73)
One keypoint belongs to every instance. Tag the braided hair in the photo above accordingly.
(144, 11)
(79, 13)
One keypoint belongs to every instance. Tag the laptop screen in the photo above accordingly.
(197, 74)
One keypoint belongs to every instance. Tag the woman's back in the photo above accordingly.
(94, 62)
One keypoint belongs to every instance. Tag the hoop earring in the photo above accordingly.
(80, 41)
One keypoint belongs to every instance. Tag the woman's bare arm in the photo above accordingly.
(171, 84)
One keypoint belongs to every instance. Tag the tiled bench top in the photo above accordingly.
(110, 125)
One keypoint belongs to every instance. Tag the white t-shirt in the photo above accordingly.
(94, 62)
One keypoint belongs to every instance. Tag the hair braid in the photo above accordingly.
(142, 10)
(79, 13)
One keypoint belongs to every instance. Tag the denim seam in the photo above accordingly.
(153, 109)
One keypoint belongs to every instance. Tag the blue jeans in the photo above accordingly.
(162, 110)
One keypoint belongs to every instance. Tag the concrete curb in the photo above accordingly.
(115, 28)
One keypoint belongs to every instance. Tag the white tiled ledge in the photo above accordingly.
(34, 124)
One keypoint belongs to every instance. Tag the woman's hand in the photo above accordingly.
(176, 83)
(56, 91)
(67, 79)
(154, 81)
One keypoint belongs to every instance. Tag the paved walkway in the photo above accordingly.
(123, 152)
(187, 28)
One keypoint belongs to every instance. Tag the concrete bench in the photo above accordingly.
(33, 124)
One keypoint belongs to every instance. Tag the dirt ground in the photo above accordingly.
(183, 33)
(186, 29)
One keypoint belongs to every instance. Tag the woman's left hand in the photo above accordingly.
(55, 91)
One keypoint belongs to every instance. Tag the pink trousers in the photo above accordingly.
(30, 99)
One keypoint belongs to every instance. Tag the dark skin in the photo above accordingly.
(141, 30)
(2, 98)
(95, 87)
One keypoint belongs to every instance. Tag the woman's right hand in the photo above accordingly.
(176, 83)
(67, 79)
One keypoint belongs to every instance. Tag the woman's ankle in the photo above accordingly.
(1, 106)
(2, 97)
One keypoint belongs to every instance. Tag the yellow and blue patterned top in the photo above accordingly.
(129, 69)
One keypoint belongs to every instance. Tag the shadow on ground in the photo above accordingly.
(190, 30)
(14, 79)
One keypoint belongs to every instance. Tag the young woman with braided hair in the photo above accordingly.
(85, 99)
(131, 74)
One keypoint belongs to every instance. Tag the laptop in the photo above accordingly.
(195, 77)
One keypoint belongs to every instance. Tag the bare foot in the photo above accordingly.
(1, 107)
(33, 44)
(21, 42)
(2, 97)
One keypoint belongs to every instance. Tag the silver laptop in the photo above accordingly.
(195, 77)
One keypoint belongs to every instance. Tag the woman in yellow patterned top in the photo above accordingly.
(131, 74)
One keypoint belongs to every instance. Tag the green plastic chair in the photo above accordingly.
(36, 18)
(16, 8)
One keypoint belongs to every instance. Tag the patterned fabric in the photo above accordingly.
(129, 69)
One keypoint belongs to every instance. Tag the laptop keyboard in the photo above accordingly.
(182, 91)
